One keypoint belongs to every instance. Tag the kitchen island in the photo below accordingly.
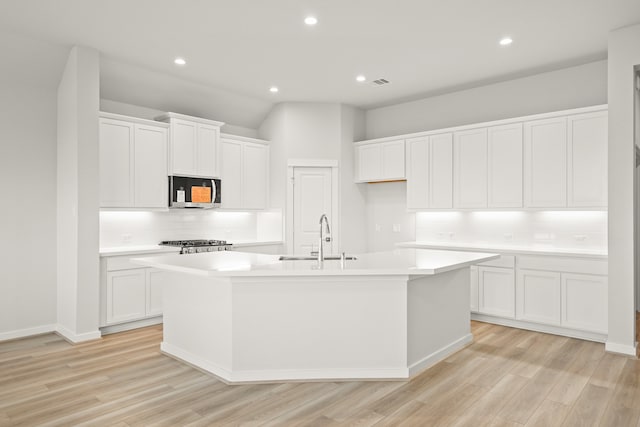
(249, 317)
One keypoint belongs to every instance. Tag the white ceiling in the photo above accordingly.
(423, 47)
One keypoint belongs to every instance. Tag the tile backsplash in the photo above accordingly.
(561, 229)
(123, 228)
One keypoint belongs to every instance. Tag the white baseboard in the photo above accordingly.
(629, 350)
(539, 327)
(439, 355)
(74, 338)
(127, 326)
(282, 375)
(23, 333)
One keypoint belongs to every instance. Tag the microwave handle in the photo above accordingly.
(214, 191)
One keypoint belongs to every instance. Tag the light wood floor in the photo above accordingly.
(507, 377)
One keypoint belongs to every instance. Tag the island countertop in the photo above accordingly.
(397, 262)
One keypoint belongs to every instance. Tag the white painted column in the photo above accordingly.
(77, 197)
(624, 55)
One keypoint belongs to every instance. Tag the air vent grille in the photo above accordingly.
(380, 82)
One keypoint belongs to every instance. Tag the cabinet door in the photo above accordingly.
(545, 163)
(470, 169)
(126, 295)
(393, 160)
(184, 136)
(231, 174)
(585, 302)
(418, 172)
(255, 177)
(207, 150)
(155, 280)
(504, 150)
(473, 283)
(496, 291)
(369, 162)
(441, 171)
(150, 167)
(587, 166)
(538, 296)
(116, 163)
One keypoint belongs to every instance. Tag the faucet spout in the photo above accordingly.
(323, 221)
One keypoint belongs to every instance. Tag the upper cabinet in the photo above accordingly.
(504, 167)
(380, 161)
(133, 162)
(430, 172)
(566, 161)
(194, 145)
(470, 169)
(587, 159)
(244, 172)
(545, 165)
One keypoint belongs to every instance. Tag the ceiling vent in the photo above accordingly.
(380, 82)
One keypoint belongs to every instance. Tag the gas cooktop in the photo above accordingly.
(198, 245)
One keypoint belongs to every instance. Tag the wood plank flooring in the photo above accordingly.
(507, 377)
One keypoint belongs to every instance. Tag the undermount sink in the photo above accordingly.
(315, 258)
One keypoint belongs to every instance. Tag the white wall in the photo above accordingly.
(325, 131)
(386, 207)
(123, 108)
(624, 55)
(77, 198)
(28, 206)
(572, 87)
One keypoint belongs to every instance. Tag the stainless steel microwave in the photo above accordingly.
(192, 192)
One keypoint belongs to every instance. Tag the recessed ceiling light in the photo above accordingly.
(506, 41)
(273, 89)
(361, 78)
(179, 61)
(311, 20)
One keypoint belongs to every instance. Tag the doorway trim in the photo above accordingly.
(335, 198)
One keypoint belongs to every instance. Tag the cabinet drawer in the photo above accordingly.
(505, 261)
(564, 264)
(116, 263)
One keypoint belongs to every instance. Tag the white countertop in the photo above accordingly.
(512, 249)
(152, 249)
(137, 250)
(397, 262)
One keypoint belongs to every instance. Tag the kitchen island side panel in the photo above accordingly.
(197, 321)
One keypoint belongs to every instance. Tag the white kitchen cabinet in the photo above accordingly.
(496, 290)
(244, 172)
(584, 302)
(470, 169)
(430, 172)
(150, 166)
(193, 145)
(133, 162)
(545, 163)
(380, 161)
(538, 296)
(116, 151)
(587, 160)
(155, 280)
(473, 287)
(504, 153)
(126, 295)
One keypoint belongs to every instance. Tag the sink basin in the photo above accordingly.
(313, 258)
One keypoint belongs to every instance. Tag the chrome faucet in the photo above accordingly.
(323, 238)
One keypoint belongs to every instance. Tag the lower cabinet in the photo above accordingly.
(570, 294)
(585, 302)
(538, 296)
(496, 291)
(131, 295)
(473, 298)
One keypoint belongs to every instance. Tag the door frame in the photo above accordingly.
(335, 198)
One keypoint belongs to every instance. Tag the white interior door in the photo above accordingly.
(311, 198)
